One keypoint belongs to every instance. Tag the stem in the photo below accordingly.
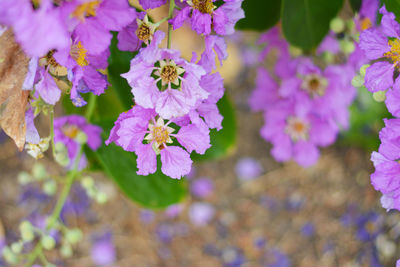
(53, 146)
(170, 15)
(91, 106)
(33, 255)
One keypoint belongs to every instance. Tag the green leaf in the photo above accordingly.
(152, 191)
(393, 6)
(366, 120)
(223, 142)
(355, 5)
(259, 15)
(306, 22)
(119, 62)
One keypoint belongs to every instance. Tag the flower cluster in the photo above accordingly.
(304, 105)
(175, 99)
(381, 44)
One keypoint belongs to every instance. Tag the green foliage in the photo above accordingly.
(260, 15)
(306, 22)
(223, 142)
(365, 121)
(152, 191)
(355, 5)
(393, 6)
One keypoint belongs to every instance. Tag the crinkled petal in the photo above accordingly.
(379, 76)
(176, 162)
(146, 159)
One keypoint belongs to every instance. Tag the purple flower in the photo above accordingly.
(165, 232)
(150, 4)
(202, 187)
(204, 16)
(308, 229)
(32, 135)
(385, 178)
(248, 169)
(66, 130)
(142, 131)
(369, 225)
(103, 250)
(173, 210)
(146, 216)
(214, 44)
(201, 213)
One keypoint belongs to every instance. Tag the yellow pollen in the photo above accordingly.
(204, 6)
(365, 24)
(160, 134)
(143, 33)
(169, 74)
(394, 53)
(70, 131)
(78, 53)
(299, 127)
(86, 10)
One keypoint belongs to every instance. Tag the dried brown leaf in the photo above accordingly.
(13, 100)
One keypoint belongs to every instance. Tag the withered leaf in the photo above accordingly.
(13, 100)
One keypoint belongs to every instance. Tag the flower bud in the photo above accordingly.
(350, 24)
(363, 69)
(101, 197)
(17, 247)
(50, 187)
(66, 251)
(62, 158)
(81, 138)
(347, 47)
(295, 51)
(337, 25)
(39, 171)
(328, 57)
(379, 96)
(73, 236)
(24, 178)
(48, 242)
(9, 256)
(87, 182)
(60, 147)
(357, 81)
(27, 235)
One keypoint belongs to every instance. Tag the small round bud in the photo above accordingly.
(62, 158)
(25, 226)
(39, 171)
(27, 235)
(347, 47)
(48, 242)
(87, 182)
(60, 147)
(91, 192)
(17, 247)
(66, 251)
(363, 69)
(9, 256)
(24, 178)
(81, 138)
(350, 24)
(337, 25)
(379, 96)
(101, 197)
(357, 81)
(295, 51)
(328, 57)
(73, 236)
(50, 187)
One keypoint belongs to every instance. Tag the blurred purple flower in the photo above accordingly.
(201, 213)
(308, 229)
(103, 250)
(146, 216)
(248, 168)
(173, 210)
(202, 187)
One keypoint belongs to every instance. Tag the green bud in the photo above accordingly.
(73, 236)
(363, 69)
(357, 81)
(50, 187)
(60, 147)
(39, 171)
(295, 51)
(379, 96)
(27, 235)
(101, 197)
(62, 158)
(81, 138)
(87, 182)
(48, 242)
(347, 46)
(91, 192)
(25, 226)
(66, 251)
(24, 178)
(337, 25)
(9, 256)
(328, 57)
(350, 24)
(17, 247)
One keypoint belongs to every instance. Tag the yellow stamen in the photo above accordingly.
(394, 53)
(365, 24)
(160, 135)
(169, 74)
(204, 6)
(86, 10)
(78, 53)
(70, 131)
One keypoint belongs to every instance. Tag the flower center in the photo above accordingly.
(78, 53)
(70, 131)
(314, 84)
(204, 6)
(159, 134)
(297, 129)
(143, 32)
(370, 226)
(86, 10)
(394, 53)
(365, 23)
(169, 74)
